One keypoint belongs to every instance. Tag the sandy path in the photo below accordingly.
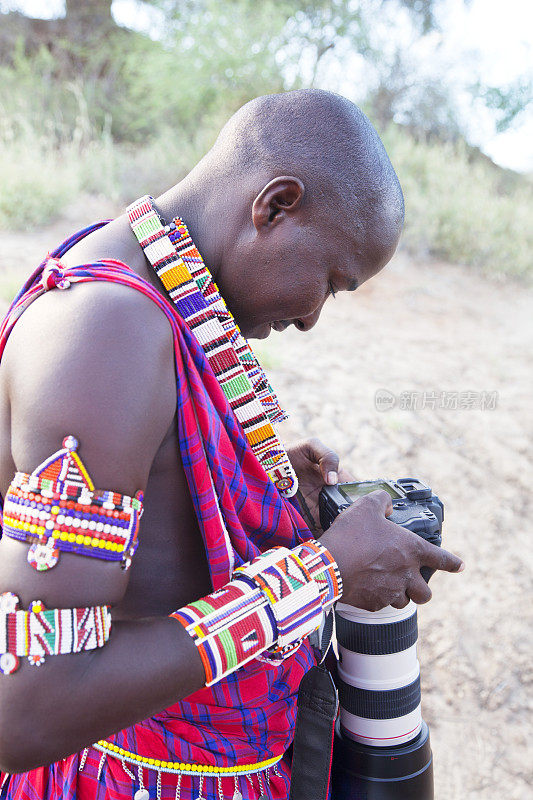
(414, 329)
(420, 328)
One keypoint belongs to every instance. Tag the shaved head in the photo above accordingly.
(319, 137)
(296, 200)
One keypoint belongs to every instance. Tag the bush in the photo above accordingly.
(36, 184)
(39, 179)
(455, 208)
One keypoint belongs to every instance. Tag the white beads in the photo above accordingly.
(101, 766)
(70, 443)
(8, 663)
(83, 759)
(200, 793)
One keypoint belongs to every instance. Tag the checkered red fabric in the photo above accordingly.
(249, 716)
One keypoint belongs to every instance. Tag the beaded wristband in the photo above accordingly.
(57, 509)
(323, 569)
(40, 632)
(274, 602)
(293, 595)
(229, 627)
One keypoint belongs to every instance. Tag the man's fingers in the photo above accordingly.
(419, 591)
(400, 602)
(437, 558)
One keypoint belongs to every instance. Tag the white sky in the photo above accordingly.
(500, 31)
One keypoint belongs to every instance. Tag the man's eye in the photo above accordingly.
(332, 290)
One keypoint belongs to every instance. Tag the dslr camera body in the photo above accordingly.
(382, 748)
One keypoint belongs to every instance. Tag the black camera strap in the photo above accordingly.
(313, 738)
(317, 709)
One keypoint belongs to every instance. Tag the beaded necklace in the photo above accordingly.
(189, 284)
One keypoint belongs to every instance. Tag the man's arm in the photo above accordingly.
(97, 362)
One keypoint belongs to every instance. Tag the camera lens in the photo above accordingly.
(379, 674)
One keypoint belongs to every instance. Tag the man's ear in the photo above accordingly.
(281, 196)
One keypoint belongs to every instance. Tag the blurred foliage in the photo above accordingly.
(509, 102)
(457, 207)
(109, 110)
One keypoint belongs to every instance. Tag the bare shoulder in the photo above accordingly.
(96, 361)
(93, 307)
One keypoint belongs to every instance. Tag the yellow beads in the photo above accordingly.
(181, 766)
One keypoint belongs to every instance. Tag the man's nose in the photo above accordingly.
(306, 323)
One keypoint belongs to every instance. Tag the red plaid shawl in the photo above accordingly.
(249, 716)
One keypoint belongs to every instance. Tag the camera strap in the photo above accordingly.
(313, 738)
(317, 710)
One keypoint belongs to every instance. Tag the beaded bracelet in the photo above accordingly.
(57, 509)
(274, 602)
(293, 595)
(323, 569)
(40, 632)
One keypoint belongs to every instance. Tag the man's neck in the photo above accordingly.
(193, 207)
(116, 240)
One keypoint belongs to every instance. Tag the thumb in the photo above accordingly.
(329, 467)
(327, 460)
(381, 498)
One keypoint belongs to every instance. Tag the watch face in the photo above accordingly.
(354, 490)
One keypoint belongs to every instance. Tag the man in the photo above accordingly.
(297, 200)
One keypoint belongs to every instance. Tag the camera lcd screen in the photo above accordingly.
(354, 490)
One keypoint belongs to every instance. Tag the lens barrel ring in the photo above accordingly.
(377, 639)
(388, 704)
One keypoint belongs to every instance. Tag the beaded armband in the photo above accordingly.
(323, 569)
(57, 509)
(41, 632)
(274, 602)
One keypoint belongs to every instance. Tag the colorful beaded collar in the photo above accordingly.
(189, 285)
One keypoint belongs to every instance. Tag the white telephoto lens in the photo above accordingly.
(378, 674)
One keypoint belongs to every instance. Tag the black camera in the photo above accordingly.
(382, 748)
(414, 506)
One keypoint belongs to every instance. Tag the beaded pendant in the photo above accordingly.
(189, 284)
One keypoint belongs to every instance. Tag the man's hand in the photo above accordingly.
(315, 465)
(380, 561)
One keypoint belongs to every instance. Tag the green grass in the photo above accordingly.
(39, 180)
(36, 184)
(9, 286)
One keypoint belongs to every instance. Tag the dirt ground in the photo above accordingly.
(448, 353)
